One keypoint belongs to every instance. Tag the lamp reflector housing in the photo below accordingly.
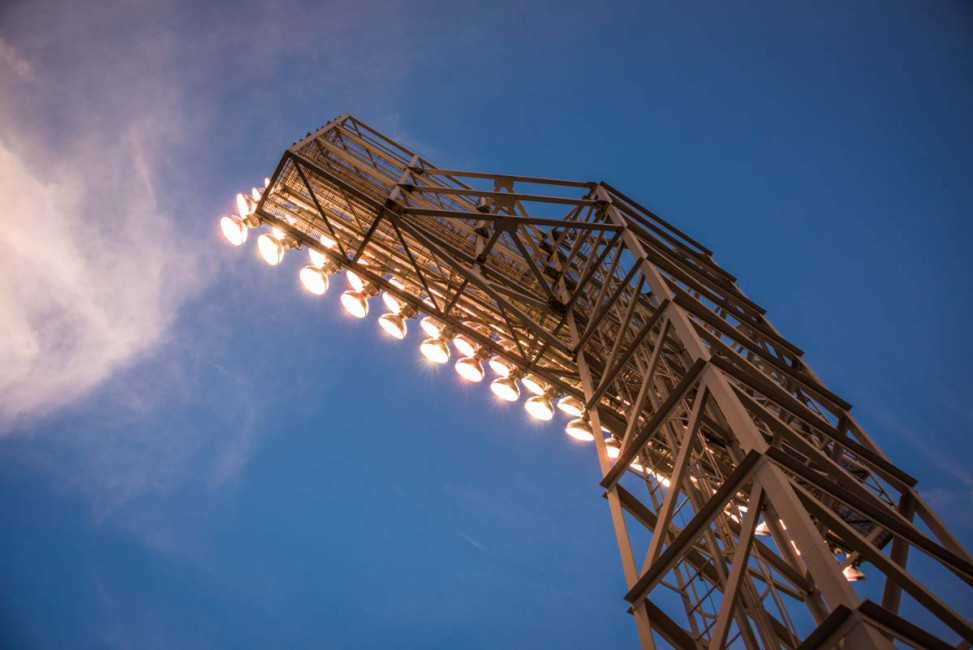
(431, 326)
(539, 408)
(506, 389)
(464, 345)
(571, 406)
(852, 573)
(579, 429)
(470, 369)
(355, 303)
(394, 325)
(533, 385)
(243, 206)
(233, 229)
(270, 249)
(314, 279)
(435, 350)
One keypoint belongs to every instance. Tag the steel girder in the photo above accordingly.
(715, 422)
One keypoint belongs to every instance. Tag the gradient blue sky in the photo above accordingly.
(194, 454)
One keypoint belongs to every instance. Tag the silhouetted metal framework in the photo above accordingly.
(583, 287)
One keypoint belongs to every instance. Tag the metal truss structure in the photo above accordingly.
(761, 492)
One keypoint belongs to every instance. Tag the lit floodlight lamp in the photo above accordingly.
(355, 281)
(244, 207)
(612, 447)
(266, 182)
(470, 369)
(614, 450)
(255, 194)
(852, 573)
(533, 384)
(580, 429)
(392, 303)
(464, 345)
(271, 249)
(314, 279)
(234, 229)
(435, 350)
(501, 367)
(539, 406)
(506, 389)
(394, 325)
(355, 303)
(316, 258)
(571, 406)
(431, 326)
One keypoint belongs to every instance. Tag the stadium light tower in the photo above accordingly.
(764, 497)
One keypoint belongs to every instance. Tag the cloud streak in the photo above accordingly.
(93, 271)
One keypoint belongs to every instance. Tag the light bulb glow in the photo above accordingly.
(391, 302)
(852, 573)
(464, 345)
(533, 384)
(431, 326)
(355, 281)
(501, 367)
(233, 229)
(317, 259)
(579, 429)
(266, 181)
(470, 369)
(506, 389)
(435, 350)
(355, 303)
(539, 408)
(571, 406)
(256, 194)
(326, 241)
(393, 325)
(270, 249)
(314, 279)
(243, 205)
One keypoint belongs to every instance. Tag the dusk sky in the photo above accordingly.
(194, 453)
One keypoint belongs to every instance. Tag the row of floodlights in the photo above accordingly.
(315, 279)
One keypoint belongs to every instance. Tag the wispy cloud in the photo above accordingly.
(10, 58)
(93, 270)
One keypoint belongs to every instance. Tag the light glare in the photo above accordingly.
(355, 303)
(579, 429)
(464, 346)
(394, 325)
(243, 205)
(233, 229)
(470, 369)
(533, 385)
(571, 406)
(314, 279)
(506, 389)
(270, 249)
(539, 408)
(431, 326)
(435, 350)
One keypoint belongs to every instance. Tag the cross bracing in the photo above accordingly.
(761, 493)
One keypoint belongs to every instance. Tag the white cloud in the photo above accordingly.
(92, 270)
(85, 285)
(11, 58)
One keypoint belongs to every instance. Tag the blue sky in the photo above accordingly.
(194, 454)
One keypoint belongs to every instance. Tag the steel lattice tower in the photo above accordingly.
(762, 493)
